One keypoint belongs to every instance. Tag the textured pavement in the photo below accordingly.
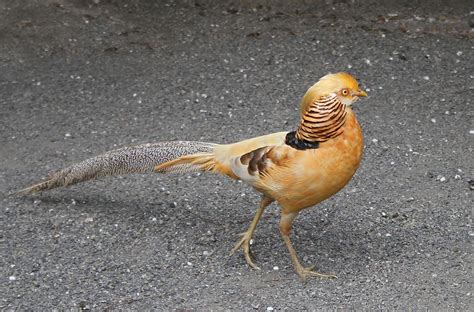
(78, 78)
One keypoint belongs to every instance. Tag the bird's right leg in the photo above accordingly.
(285, 228)
(244, 242)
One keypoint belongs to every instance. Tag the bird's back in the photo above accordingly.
(225, 154)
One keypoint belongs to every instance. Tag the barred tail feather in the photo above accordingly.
(137, 159)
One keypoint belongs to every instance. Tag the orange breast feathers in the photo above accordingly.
(297, 179)
(310, 176)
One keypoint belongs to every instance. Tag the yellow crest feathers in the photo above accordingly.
(330, 83)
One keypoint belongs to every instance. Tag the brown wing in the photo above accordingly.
(256, 160)
(255, 165)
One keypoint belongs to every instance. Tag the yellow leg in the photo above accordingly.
(244, 242)
(304, 272)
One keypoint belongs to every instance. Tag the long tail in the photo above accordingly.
(192, 156)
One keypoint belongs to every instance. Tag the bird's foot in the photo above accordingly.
(308, 272)
(244, 244)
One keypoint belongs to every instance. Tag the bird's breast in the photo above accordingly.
(316, 174)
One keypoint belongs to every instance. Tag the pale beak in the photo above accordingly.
(361, 93)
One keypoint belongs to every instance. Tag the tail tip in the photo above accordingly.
(31, 189)
(22, 192)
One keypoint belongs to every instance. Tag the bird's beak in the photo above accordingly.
(361, 93)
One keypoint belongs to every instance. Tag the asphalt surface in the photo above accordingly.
(78, 78)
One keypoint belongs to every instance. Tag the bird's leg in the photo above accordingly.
(244, 242)
(304, 272)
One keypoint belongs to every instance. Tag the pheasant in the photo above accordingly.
(297, 169)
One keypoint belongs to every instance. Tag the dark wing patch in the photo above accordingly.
(256, 160)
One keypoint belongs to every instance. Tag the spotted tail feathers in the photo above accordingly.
(182, 156)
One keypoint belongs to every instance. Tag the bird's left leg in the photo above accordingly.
(286, 223)
(244, 242)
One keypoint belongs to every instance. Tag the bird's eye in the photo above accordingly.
(345, 92)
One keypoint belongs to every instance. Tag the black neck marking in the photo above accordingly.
(294, 142)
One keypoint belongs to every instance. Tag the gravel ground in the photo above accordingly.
(78, 78)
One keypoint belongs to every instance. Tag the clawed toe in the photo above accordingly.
(307, 272)
(244, 244)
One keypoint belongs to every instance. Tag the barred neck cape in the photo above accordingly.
(323, 120)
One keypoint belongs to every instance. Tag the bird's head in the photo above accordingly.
(343, 85)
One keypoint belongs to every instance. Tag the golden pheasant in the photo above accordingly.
(297, 169)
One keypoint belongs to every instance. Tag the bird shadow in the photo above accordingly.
(329, 242)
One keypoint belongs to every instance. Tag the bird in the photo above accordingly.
(297, 169)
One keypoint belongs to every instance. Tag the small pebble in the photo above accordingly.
(471, 185)
(433, 120)
(275, 268)
(12, 278)
(270, 309)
